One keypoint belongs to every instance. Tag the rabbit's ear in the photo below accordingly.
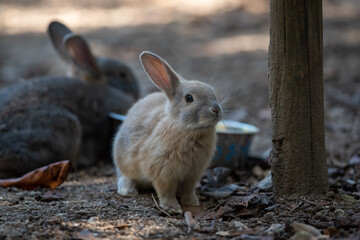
(160, 73)
(57, 32)
(80, 54)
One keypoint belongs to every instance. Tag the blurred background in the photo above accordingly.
(225, 39)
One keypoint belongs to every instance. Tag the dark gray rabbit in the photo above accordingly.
(122, 88)
(48, 119)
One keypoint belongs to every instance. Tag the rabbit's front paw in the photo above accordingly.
(126, 186)
(170, 205)
(189, 200)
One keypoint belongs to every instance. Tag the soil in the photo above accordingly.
(200, 39)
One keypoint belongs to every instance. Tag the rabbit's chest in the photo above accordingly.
(187, 149)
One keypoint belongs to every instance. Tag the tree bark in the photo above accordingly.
(298, 158)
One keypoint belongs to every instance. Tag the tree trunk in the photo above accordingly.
(298, 158)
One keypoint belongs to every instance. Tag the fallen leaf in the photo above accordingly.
(260, 202)
(48, 176)
(301, 227)
(214, 213)
(241, 200)
(217, 176)
(222, 192)
(50, 196)
(243, 212)
(195, 210)
(349, 198)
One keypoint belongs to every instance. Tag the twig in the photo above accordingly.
(156, 204)
(119, 226)
(308, 201)
(189, 220)
(297, 206)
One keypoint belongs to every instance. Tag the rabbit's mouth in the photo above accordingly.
(209, 119)
(208, 123)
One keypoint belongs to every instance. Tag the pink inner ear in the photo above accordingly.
(158, 73)
(80, 53)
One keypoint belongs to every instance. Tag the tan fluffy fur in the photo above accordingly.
(155, 147)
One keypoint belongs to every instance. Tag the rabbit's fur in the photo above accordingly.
(167, 141)
(122, 88)
(49, 119)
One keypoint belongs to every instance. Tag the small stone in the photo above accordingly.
(342, 219)
(350, 212)
(258, 172)
(240, 226)
(338, 213)
(302, 236)
(311, 210)
(275, 228)
(16, 233)
(53, 220)
(268, 217)
(222, 233)
(330, 195)
(265, 184)
(350, 182)
(301, 227)
(93, 220)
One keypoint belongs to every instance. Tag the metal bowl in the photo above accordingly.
(233, 141)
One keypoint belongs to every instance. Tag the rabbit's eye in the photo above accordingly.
(122, 74)
(189, 98)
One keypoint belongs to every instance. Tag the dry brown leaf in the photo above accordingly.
(195, 210)
(51, 195)
(50, 176)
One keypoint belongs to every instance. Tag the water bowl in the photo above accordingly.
(233, 144)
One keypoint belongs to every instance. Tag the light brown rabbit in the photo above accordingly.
(168, 138)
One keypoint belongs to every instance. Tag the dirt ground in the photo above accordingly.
(200, 39)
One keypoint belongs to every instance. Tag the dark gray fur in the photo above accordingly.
(49, 119)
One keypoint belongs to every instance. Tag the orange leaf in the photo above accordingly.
(51, 176)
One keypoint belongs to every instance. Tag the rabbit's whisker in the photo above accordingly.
(213, 79)
(229, 95)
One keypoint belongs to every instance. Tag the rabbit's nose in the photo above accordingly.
(216, 109)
